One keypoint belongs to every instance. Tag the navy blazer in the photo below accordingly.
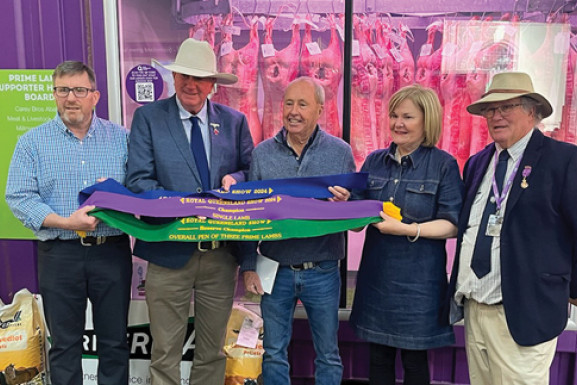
(159, 158)
(538, 239)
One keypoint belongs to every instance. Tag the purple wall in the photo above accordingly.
(39, 34)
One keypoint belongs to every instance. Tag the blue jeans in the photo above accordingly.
(319, 290)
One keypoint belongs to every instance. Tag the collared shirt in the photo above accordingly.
(203, 123)
(284, 134)
(50, 166)
(487, 289)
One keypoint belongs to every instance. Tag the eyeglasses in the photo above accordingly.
(504, 110)
(79, 92)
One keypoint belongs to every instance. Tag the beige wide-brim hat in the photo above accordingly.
(511, 85)
(196, 58)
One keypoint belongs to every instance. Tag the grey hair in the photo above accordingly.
(319, 90)
(530, 104)
(68, 68)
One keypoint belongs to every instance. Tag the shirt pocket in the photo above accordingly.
(420, 202)
(376, 188)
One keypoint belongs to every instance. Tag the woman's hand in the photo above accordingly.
(392, 226)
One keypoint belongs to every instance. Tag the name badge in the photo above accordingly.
(494, 225)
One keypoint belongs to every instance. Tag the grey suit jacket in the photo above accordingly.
(159, 158)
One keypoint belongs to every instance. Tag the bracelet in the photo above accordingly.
(416, 236)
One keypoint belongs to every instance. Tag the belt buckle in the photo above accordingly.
(213, 244)
(303, 266)
(99, 241)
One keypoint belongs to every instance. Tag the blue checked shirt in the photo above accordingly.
(50, 166)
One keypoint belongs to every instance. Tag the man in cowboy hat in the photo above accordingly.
(517, 234)
(187, 143)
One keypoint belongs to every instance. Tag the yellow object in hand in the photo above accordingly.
(391, 210)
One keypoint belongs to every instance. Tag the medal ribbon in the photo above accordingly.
(275, 207)
(193, 229)
(306, 187)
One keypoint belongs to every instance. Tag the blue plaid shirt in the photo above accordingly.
(50, 166)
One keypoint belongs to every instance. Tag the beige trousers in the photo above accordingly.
(212, 274)
(493, 356)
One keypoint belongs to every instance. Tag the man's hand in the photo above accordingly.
(80, 220)
(252, 282)
(227, 181)
(340, 194)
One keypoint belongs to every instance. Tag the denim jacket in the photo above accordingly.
(426, 185)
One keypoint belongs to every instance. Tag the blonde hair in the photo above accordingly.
(428, 102)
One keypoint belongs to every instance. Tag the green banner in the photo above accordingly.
(193, 229)
(26, 101)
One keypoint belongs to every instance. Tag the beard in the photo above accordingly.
(73, 118)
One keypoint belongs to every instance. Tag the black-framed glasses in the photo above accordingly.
(79, 92)
(504, 110)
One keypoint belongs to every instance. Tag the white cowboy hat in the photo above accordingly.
(507, 86)
(196, 58)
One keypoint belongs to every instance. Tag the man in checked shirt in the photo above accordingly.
(50, 165)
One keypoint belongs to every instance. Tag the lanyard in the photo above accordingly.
(499, 198)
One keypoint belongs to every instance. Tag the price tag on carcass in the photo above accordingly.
(426, 49)
(231, 29)
(268, 50)
(313, 48)
(341, 32)
(396, 38)
(355, 48)
(378, 50)
(226, 48)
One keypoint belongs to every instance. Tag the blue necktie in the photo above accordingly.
(199, 153)
(481, 262)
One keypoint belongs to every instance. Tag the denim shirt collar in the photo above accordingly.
(413, 159)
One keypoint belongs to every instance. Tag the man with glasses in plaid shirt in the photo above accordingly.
(50, 165)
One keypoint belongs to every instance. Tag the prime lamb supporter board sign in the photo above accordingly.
(26, 101)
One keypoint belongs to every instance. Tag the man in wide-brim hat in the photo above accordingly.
(513, 268)
(188, 143)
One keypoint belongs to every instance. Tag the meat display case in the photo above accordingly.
(453, 47)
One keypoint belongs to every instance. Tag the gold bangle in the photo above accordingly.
(416, 236)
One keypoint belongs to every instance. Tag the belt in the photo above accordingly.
(209, 245)
(486, 304)
(303, 266)
(95, 241)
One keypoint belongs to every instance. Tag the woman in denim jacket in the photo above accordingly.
(402, 275)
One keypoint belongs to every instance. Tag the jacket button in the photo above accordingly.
(198, 190)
